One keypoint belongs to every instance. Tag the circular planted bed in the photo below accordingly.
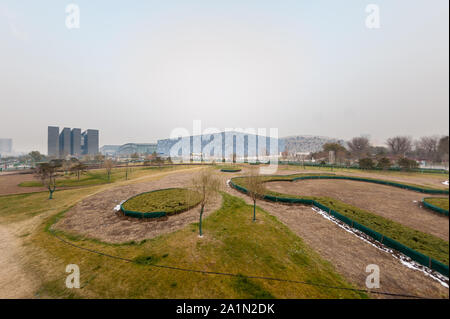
(160, 203)
(230, 169)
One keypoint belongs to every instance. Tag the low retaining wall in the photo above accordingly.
(433, 207)
(134, 214)
(230, 170)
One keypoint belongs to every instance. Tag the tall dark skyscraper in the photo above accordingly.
(75, 142)
(72, 142)
(53, 141)
(90, 142)
(64, 142)
(5, 146)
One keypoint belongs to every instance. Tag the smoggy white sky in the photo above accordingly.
(136, 70)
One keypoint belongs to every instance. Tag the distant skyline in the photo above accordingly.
(135, 71)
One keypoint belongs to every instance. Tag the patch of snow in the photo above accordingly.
(445, 183)
(405, 260)
(117, 207)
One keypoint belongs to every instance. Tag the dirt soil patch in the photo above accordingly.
(9, 184)
(94, 217)
(15, 281)
(349, 254)
(402, 206)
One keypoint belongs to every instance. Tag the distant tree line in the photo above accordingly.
(401, 151)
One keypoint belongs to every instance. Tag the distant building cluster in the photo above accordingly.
(5, 146)
(128, 149)
(72, 142)
(306, 143)
(220, 145)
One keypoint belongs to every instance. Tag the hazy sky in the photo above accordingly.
(135, 70)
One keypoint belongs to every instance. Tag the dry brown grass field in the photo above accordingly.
(292, 242)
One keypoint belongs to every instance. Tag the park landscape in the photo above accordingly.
(243, 246)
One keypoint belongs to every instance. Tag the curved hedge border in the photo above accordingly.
(378, 181)
(395, 169)
(433, 207)
(230, 170)
(391, 243)
(135, 214)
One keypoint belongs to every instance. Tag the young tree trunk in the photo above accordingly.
(254, 210)
(200, 222)
(50, 196)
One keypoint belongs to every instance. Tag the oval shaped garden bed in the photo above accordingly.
(160, 203)
(230, 169)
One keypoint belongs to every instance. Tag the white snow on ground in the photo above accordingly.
(405, 260)
(445, 183)
(117, 207)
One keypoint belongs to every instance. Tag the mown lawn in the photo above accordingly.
(439, 202)
(99, 176)
(170, 201)
(232, 243)
(427, 244)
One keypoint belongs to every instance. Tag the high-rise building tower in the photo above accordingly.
(90, 142)
(53, 141)
(75, 142)
(5, 146)
(72, 142)
(64, 142)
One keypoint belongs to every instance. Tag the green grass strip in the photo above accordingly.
(439, 205)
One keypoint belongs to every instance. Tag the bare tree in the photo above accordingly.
(443, 149)
(47, 173)
(78, 168)
(359, 146)
(99, 158)
(206, 184)
(36, 156)
(66, 164)
(427, 147)
(255, 187)
(108, 164)
(399, 145)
